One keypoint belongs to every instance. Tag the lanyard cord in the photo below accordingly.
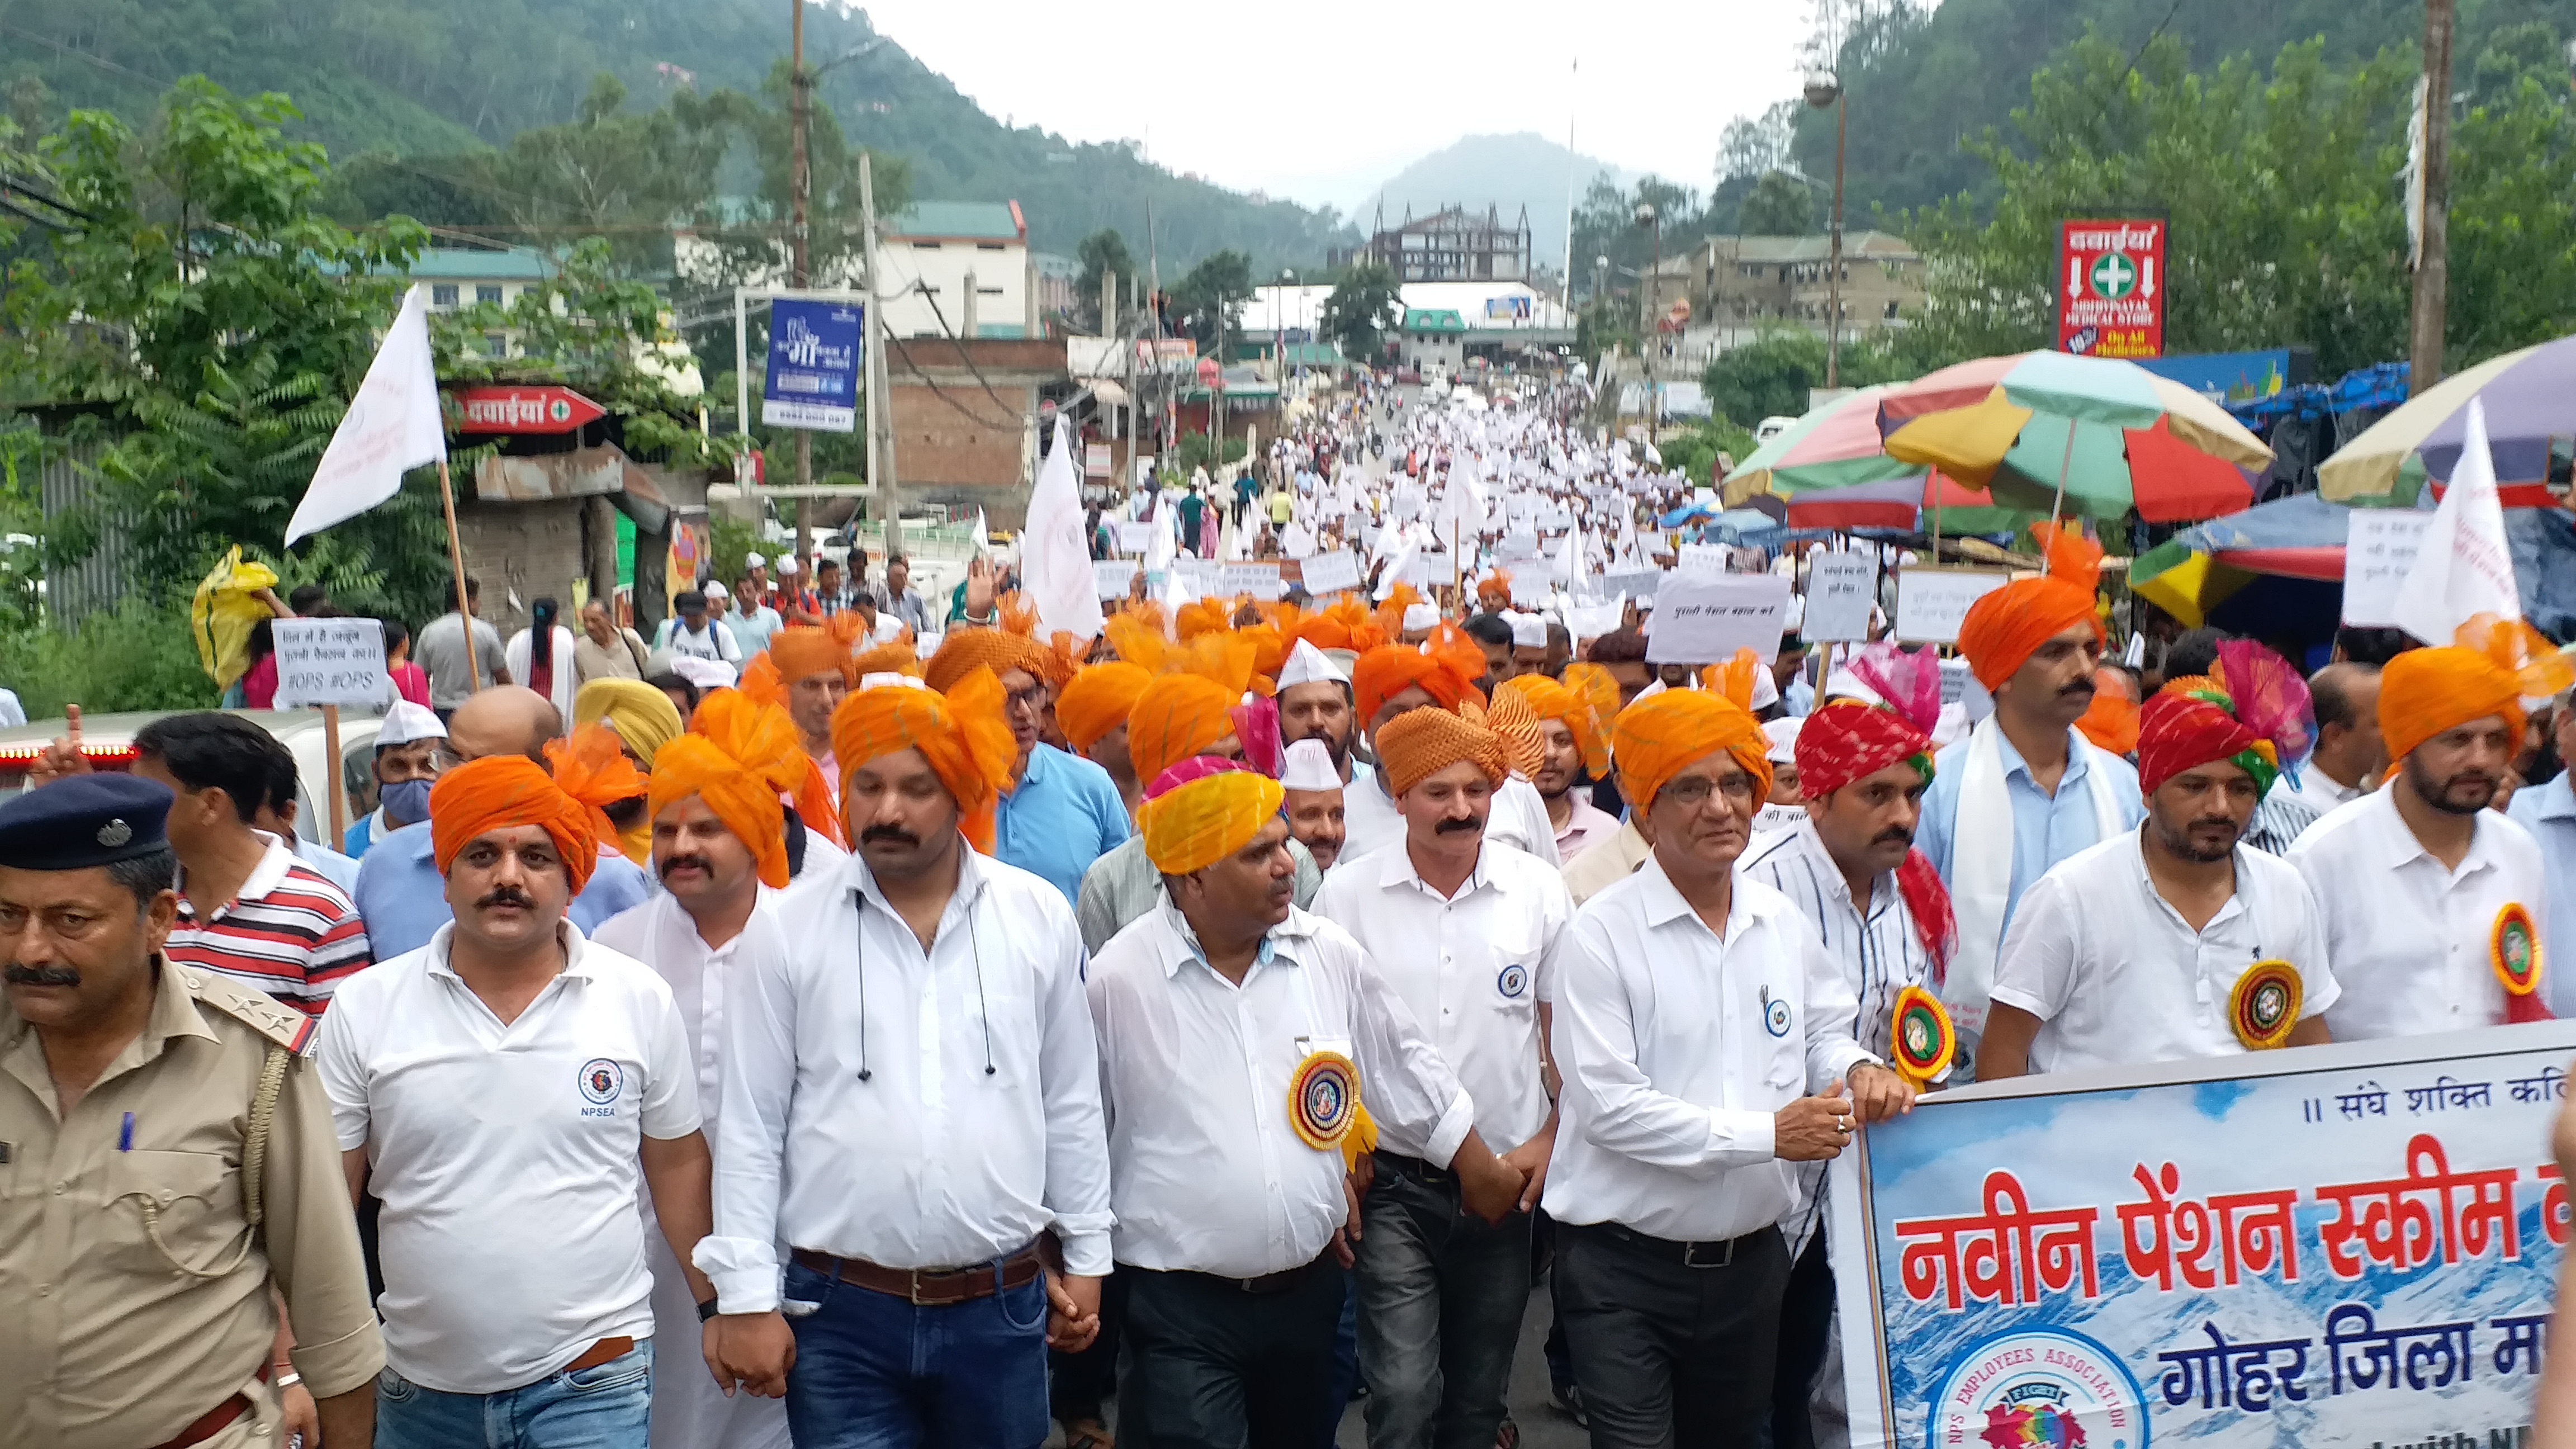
(983, 1010)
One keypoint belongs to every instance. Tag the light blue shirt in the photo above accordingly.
(2549, 813)
(1066, 814)
(403, 898)
(327, 863)
(2046, 829)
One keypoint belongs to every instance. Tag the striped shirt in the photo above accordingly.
(289, 932)
(1879, 957)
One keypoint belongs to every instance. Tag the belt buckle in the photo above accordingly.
(914, 1290)
(1691, 1257)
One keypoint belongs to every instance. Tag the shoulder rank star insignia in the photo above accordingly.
(115, 833)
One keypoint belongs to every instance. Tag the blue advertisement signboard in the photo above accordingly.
(814, 354)
(2353, 1244)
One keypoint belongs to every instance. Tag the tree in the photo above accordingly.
(1771, 375)
(1222, 281)
(1780, 204)
(1103, 252)
(1356, 314)
(1750, 148)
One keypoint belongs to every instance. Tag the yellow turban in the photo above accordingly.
(1099, 699)
(1660, 736)
(1192, 826)
(2490, 666)
(1421, 743)
(1176, 716)
(962, 734)
(742, 757)
(643, 717)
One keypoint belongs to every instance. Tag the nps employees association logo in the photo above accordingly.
(601, 1081)
(2038, 1389)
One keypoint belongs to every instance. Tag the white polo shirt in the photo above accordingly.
(1517, 817)
(2410, 940)
(2118, 977)
(1677, 1045)
(507, 1157)
(1472, 969)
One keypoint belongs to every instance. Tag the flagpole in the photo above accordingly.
(456, 562)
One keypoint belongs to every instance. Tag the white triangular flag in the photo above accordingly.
(1055, 559)
(392, 425)
(983, 538)
(2464, 566)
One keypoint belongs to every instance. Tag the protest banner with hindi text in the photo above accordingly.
(2351, 1244)
(1706, 620)
(1840, 593)
(1931, 603)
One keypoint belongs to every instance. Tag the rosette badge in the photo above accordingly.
(1921, 1038)
(1324, 1099)
(2264, 1007)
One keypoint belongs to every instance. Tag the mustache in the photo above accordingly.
(1895, 835)
(17, 975)
(1473, 823)
(506, 896)
(2084, 687)
(677, 861)
(888, 835)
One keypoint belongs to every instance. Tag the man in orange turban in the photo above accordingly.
(1392, 680)
(493, 803)
(958, 738)
(2435, 905)
(2025, 790)
(1093, 709)
(806, 672)
(1685, 952)
(1062, 812)
(1574, 749)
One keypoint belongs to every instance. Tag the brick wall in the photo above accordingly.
(534, 549)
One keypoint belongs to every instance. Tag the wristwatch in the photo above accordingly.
(707, 1310)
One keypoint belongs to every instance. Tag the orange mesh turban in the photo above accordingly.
(1568, 705)
(2488, 669)
(1099, 699)
(2111, 721)
(1421, 743)
(1207, 616)
(1516, 724)
(1446, 666)
(886, 659)
(962, 734)
(502, 791)
(1658, 737)
(2004, 627)
(799, 651)
(1193, 826)
(741, 758)
(1176, 716)
(963, 651)
(1734, 678)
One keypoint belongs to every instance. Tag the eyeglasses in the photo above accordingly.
(1031, 699)
(1692, 793)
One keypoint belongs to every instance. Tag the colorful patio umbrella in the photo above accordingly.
(1832, 467)
(2053, 432)
(2530, 399)
(2298, 537)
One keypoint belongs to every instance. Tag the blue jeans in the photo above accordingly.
(874, 1372)
(604, 1407)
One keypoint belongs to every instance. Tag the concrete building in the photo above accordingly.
(1456, 321)
(1737, 286)
(1058, 276)
(1452, 244)
(961, 269)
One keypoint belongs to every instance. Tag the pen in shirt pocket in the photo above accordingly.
(125, 1134)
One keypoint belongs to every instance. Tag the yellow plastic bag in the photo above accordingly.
(222, 613)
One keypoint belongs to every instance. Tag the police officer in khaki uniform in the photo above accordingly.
(165, 1157)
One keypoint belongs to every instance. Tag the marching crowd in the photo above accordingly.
(1175, 1036)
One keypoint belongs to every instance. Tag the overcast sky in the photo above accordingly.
(1320, 100)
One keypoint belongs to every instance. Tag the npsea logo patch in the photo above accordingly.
(2039, 1389)
(601, 1081)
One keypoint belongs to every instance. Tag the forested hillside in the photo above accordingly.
(435, 79)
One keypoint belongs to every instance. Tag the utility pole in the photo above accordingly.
(2432, 268)
(799, 98)
(1834, 277)
(881, 470)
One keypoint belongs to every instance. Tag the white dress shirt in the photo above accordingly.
(2118, 977)
(1472, 969)
(978, 1124)
(1208, 1174)
(689, 1411)
(1878, 956)
(507, 1157)
(1677, 1047)
(1517, 817)
(2409, 940)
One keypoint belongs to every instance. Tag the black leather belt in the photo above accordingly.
(1702, 1253)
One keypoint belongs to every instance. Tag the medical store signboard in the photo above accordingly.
(2353, 1244)
(2110, 287)
(813, 378)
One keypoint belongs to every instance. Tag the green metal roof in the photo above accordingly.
(1312, 354)
(1443, 319)
(465, 264)
(969, 220)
